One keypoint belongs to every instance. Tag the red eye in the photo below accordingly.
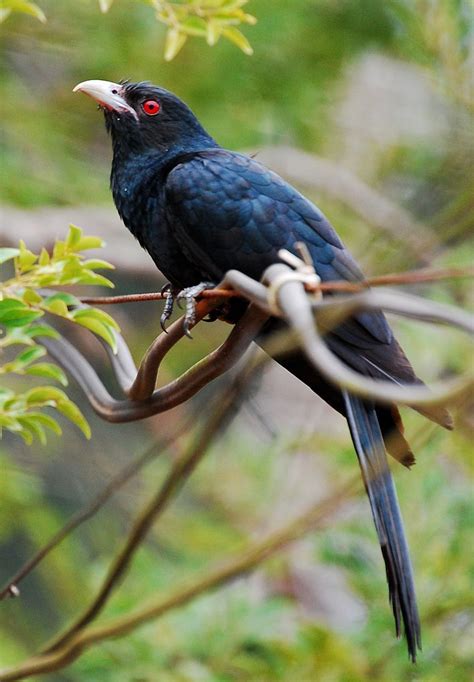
(151, 107)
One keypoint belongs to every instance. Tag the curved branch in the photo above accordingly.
(297, 307)
(169, 396)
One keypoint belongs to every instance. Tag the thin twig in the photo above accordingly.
(118, 481)
(242, 563)
(180, 472)
(411, 277)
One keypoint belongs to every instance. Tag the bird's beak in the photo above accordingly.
(107, 94)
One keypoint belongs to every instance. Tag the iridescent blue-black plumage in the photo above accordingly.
(200, 210)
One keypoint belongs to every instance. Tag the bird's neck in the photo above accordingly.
(138, 177)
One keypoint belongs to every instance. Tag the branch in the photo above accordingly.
(242, 563)
(143, 401)
(297, 310)
(180, 472)
(410, 277)
(296, 296)
(122, 477)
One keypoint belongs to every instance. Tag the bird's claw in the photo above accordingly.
(188, 296)
(169, 305)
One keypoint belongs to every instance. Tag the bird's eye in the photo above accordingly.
(151, 107)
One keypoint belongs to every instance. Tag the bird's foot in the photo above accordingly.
(189, 296)
(170, 292)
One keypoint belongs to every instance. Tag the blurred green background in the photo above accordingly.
(382, 90)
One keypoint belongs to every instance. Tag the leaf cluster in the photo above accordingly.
(208, 19)
(24, 301)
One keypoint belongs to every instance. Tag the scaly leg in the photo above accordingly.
(189, 296)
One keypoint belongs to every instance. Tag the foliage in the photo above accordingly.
(21, 6)
(208, 19)
(268, 626)
(23, 302)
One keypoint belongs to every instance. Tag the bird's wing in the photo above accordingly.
(229, 211)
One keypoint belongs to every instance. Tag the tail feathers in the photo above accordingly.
(437, 414)
(368, 442)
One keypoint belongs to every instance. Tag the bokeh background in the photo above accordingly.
(367, 106)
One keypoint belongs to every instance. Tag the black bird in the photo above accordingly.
(200, 210)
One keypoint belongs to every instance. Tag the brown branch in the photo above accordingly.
(173, 393)
(180, 472)
(410, 277)
(119, 480)
(243, 562)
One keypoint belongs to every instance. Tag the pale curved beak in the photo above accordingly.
(107, 94)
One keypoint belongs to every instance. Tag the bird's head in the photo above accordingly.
(142, 117)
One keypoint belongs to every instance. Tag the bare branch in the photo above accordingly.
(243, 562)
(180, 472)
(411, 277)
(119, 480)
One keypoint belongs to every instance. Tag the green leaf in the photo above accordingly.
(14, 313)
(86, 243)
(63, 296)
(26, 258)
(237, 37)
(30, 355)
(24, 433)
(49, 371)
(31, 297)
(32, 427)
(174, 42)
(41, 330)
(10, 423)
(100, 315)
(73, 236)
(98, 327)
(73, 413)
(8, 254)
(44, 258)
(44, 395)
(213, 32)
(24, 7)
(194, 26)
(11, 303)
(47, 421)
(97, 264)
(57, 307)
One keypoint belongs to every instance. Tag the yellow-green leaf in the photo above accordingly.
(213, 32)
(174, 43)
(24, 7)
(31, 297)
(48, 371)
(237, 37)
(73, 413)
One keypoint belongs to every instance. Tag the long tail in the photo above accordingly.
(369, 445)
